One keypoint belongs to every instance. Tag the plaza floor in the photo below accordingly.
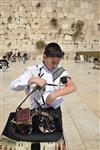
(81, 109)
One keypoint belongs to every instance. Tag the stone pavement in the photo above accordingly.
(81, 110)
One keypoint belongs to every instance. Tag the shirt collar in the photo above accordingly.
(45, 67)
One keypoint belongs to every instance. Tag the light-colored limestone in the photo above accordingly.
(24, 13)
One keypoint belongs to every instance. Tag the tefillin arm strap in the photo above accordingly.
(57, 73)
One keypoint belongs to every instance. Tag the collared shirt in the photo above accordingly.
(21, 84)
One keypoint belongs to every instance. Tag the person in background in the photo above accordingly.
(82, 58)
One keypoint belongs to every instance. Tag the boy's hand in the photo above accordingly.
(37, 80)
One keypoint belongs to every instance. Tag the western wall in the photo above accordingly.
(74, 24)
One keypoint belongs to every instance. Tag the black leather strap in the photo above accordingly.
(57, 73)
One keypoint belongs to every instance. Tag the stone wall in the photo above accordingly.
(24, 22)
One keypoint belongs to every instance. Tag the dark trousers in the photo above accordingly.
(35, 146)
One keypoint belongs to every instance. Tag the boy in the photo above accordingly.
(41, 75)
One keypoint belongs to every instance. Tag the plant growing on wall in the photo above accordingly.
(54, 22)
(9, 44)
(9, 19)
(40, 45)
(77, 29)
(38, 5)
(72, 26)
(98, 24)
(3, 23)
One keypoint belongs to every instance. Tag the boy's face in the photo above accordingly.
(51, 62)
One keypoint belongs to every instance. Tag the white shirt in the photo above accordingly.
(21, 83)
